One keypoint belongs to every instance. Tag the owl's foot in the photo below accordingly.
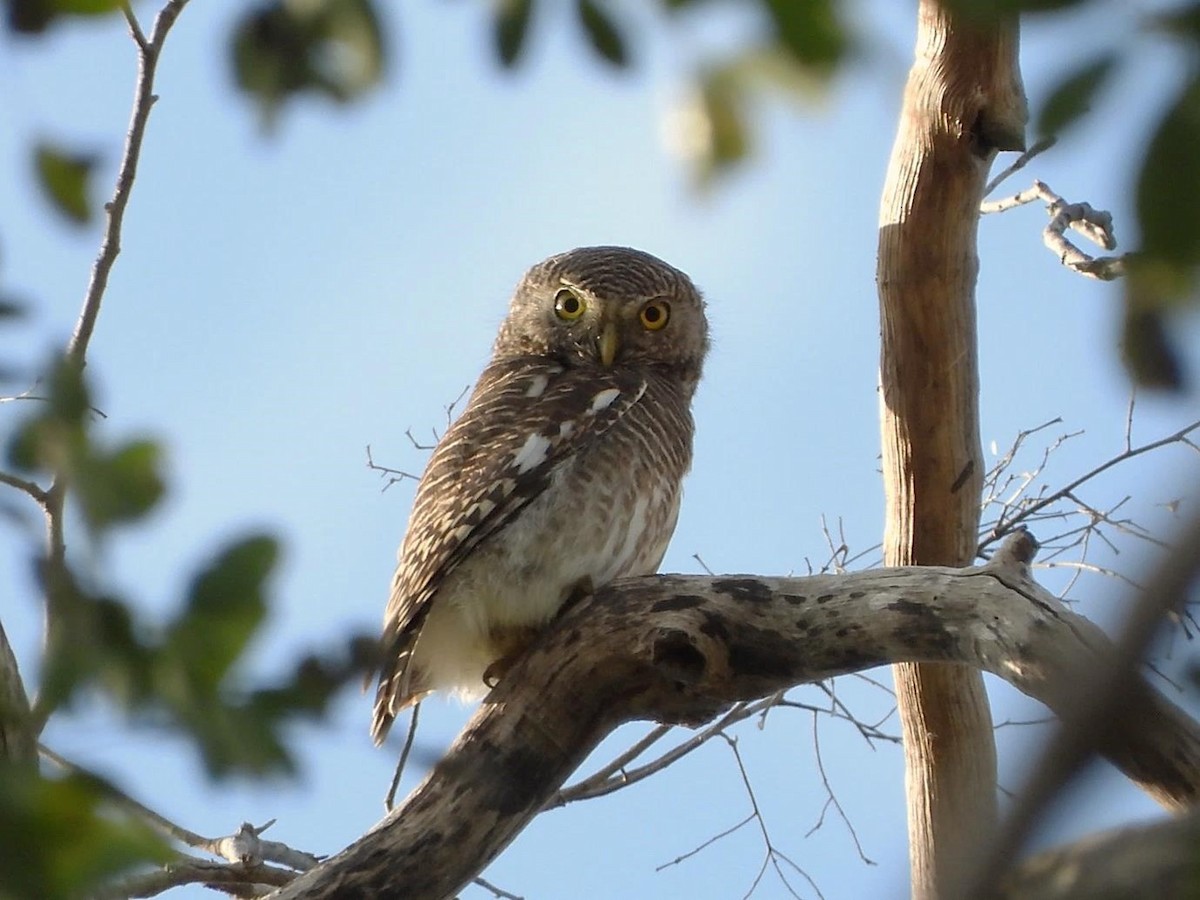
(511, 643)
(583, 588)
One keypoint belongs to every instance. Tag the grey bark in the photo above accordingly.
(680, 649)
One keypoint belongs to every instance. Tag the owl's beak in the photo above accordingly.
(608, 343)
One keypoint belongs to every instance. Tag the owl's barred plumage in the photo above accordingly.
(563, 472)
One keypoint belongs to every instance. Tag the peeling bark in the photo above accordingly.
(681, 649)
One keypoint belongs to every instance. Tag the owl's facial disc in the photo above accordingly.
(608, 343)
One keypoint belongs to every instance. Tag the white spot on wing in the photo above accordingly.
(537, 386)
(604, 399)
(532, 453)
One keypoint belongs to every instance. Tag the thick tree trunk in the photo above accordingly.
(681, 649)
(963, 102)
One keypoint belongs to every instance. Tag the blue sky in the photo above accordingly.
(283, 302)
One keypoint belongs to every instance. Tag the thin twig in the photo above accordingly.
(117, 796)
(393, 476)
(833, 797)
(772, 853)
(403, 761)
(1023, 160)
(144, 98)
(1004, 526)
(39, 495)
(498, 893)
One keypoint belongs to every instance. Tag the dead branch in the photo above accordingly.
(682, 649)
(247, 857)
(1147, 861)
(1097, 705)
(1094, 224)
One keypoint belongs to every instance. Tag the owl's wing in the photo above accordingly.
(524, 419)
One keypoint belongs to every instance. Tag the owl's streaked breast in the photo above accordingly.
(609, 512)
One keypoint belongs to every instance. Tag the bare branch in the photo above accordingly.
(34, 490)
(231, 877)
(393, 475)
(681, 649)
(110, 246)
(1082, 218)
(1005, 523)
(1156, 860)
(833, 800)
(1021, 162)
(247, 856)
(773, 854)
(1097, 704)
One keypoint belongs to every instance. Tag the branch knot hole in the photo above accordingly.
(676, 656)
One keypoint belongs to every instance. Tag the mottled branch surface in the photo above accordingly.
(680, 649)
(963, 102)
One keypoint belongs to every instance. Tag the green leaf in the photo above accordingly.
(349, 56)
(510, 28)
(602, 33)
(61, 839)
(63, 177)
(87, 7)
(1073, 95)
(1183, 22)
(810, 30)
(334, 48)
(119, 486)
(224, 607)
(718, 136)
(12, 309)
(56, 434)
(33, 16)
(1168, 186)
(1149, 354)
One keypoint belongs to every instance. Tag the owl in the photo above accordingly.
(563, 472)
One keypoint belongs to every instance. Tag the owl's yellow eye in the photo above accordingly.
(568, 306)
(654, 315)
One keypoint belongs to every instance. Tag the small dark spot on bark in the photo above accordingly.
(794, 599)
(907, 607)
(857, 595)
(518, 774)
(713, 627)
(678, 601)
(825, 598)
(745, 590)
(963, 476)
(766, 656)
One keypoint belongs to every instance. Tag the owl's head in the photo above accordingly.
(607, 306)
